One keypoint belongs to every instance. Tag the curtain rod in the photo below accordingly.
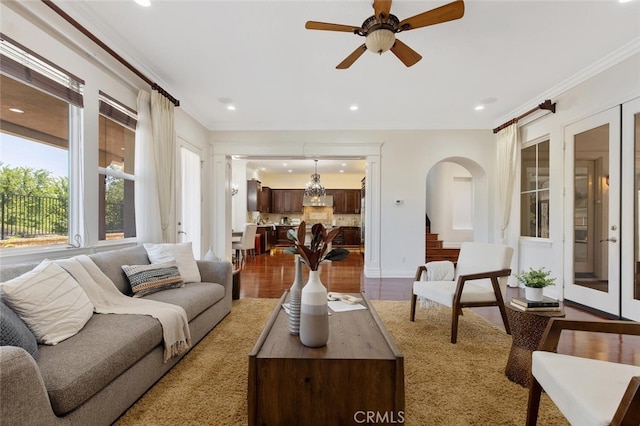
(546, 105)
(96, 40)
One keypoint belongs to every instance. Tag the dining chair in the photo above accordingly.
(246, 243)
(480, 279)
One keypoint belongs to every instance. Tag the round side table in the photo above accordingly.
(526, 330)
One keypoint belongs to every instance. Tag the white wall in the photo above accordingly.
(611, 87)
(439, 203)
(298, 180)
(406, 157)
(37, 27)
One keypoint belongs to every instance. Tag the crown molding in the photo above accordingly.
(612, 59)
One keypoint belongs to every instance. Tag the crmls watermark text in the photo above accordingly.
(384, 417)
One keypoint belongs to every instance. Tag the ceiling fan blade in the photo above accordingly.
(382, 7)
(407, 55)
(349, 60)
(313, 25)
(448, 12)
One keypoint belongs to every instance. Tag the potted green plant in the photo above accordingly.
(534, 281)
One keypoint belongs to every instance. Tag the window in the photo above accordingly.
(534, 212)
(41, 105)
(116, 183)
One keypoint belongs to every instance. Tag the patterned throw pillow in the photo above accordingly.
(147, 279)
(14, 332)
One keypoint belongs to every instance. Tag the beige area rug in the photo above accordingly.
(445, 384)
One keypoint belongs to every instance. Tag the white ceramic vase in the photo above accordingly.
(314, 313)
(534, 294)
(295, 296)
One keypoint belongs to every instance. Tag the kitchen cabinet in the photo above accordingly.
(267, 238)
(264, 200)
(254, 187)
(286, 200)
(348, 236)
(351, 235)
(281, 235)
(345, 201)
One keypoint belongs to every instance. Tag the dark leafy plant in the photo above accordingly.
(313, 254)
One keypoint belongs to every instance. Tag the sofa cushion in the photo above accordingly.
(147, 279)
(194, 298)
(110, 263)
(74, 370)
(49, 301)
(181, 253)
(14, 332)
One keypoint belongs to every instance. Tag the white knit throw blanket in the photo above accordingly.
(439, 270)
(107, 299)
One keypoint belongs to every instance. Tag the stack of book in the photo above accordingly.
(547, 304)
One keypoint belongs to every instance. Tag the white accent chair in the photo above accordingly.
(246, 243)
(586, 391)
(480, 280)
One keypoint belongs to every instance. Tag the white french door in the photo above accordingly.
(630, 239)
(190, 197)
(592, 200)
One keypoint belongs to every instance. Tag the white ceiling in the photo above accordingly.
(280, 76)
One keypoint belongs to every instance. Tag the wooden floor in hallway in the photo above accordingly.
(269, 275)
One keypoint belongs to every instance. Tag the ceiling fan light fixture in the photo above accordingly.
(379, 41)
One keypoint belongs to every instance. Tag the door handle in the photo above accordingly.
(612, 239)
(182, 232)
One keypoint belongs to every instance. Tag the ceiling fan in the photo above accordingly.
(380, 30)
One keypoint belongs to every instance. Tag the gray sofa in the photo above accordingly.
(93, 377)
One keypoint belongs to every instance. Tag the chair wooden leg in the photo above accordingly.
(503, 313)
(414, 298)
(534, 402)
(455, 312)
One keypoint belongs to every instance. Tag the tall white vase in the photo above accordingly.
(295, 296)
(314, 313)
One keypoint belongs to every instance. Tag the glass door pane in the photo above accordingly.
(593, 197)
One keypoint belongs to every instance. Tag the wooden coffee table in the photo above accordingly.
(359, 371)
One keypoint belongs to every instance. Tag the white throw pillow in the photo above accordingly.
(49, 301)
(181, 253)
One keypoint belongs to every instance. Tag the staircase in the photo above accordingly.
(435, 251)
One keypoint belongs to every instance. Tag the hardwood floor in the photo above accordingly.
(269, 275)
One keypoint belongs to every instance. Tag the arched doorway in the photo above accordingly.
(456, 203)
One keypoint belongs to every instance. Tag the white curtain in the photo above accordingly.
(507, 142)
(148, 229)
(164, 145)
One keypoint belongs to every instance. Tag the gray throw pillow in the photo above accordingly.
(14, 332)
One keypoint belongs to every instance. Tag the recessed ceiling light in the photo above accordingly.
(231, 108)
(353, 107)
(341, 171)
(479, 107)
(284, 164)
(144, 3)
(290, 171)
(16, 110)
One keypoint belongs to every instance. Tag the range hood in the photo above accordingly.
(325, 201)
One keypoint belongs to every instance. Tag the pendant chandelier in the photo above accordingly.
(314, 188)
